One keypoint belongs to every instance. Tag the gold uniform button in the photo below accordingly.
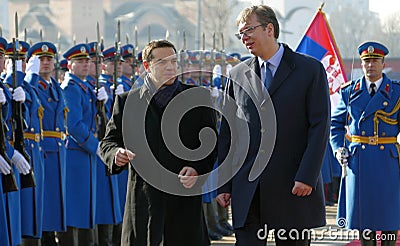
(383, 134)
(59, 144)
(385, 104)
(363, 133)
(382, 147)
(49, 99)
(32, 146)
(40, 148)
(32, 129)
(363, 146)
(57, 129)
(90, 100)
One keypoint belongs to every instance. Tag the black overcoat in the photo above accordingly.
(151, 213)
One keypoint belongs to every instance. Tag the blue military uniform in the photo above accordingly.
(370, 193)
(14, 198)
(127, 51)
(82, 145)
(53, 142)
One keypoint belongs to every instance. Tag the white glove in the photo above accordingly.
(18, 64)
(341, 155)
(19, 161)
(215, 92)
(2, 96)
(33, 65)
(119, 90)
(228, 69)
(101, 94)
(18, 94)
(217, 71)
(5, 168)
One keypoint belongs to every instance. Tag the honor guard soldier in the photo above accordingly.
(91, 78)
(128, 66)
(18, 95)
(62, 71)
(82, 148)
(141, 71)
(53, 123)
(369, 197)
(108, 207)
(107, 76)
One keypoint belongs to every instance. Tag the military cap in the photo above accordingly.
(63, 65)
(78, 51)
(194, 56)
(92, 51)
(372, 50)
(140, 57)
(42, 49)
(127, 50)
(3, 45)
(109, 54)
(22, 49)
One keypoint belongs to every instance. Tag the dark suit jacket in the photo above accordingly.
(291, 127)
(149, 211)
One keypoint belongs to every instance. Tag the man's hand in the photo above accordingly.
(123, 156)
(188, 177)
(341, 155)
(224, 199)
(301, 189)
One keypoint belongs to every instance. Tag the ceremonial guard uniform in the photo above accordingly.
(31, 198)
(127, 67)
(14, 198)
(53, 144)
(82, 144)
(370, 193)
(108, 208)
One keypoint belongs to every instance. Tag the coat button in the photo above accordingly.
(363, 146)
(59, 144)
(90, 100)
(49, 99)
(385, 104)
(57, 129)
(32, 145)
(383, 134)
(363, 133)
(382, 147)
(40, 148)
(262, 130)
(32, 129)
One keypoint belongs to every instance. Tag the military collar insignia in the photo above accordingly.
(84, 88)
(43, 84)
(387, 88)
(357, 87)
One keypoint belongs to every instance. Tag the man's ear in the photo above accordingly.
(146, 65)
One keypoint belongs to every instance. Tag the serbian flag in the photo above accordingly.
(318, 42)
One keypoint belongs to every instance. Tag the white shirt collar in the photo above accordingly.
(377, 83)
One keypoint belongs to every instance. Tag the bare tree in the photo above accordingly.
(391, 35)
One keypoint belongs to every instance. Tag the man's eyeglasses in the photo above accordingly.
(248, 31)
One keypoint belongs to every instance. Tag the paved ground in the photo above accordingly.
(331, 234)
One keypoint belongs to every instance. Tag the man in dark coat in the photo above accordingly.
(276, 180)
(163, 205)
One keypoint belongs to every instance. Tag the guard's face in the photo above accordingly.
(92, 66)
(79, 67)
(164, 66)
(255, 36)
(46, 64)
(127, 65)
(108, 67)
(372, 68)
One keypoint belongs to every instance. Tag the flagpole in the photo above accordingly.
(322, 5)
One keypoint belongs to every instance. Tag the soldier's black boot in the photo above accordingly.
(29, 241)
(48, 238)
(105, 234)
(368, 239)
(86, 237)
(68, 238)
(388, 238)
(117, 233)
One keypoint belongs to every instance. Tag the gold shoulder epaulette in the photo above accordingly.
(346, 84)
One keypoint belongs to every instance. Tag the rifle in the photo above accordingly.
(201, 62)
(133, 64)
(101, 112)
(212, 61)
(135, 61)
(27, 180)
(57, 62)
(223, 59)
(182, 57)
(117, 56)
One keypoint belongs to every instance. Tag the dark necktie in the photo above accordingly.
(268, 75)
(372, 90)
